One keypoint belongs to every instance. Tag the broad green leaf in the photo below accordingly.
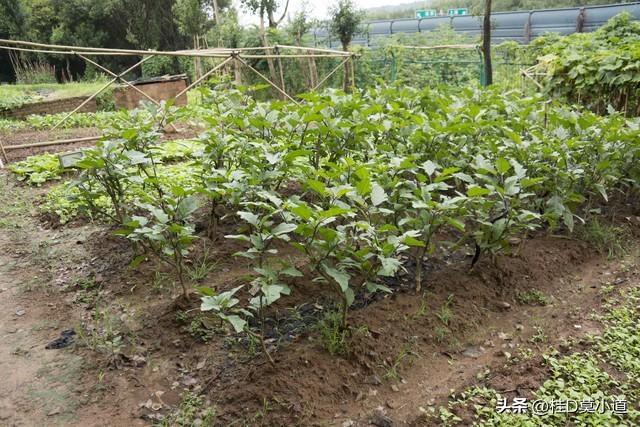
(378, 195)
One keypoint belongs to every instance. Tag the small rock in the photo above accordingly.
(380, 419)
(394, 387)
(3, 290)
(473, 352)
(504, 305)
(577, 326)
(138, 360)
(391, 405)
(21, 312)
(374, 380)
(189, 381)
(53, 412)
(348, 423)
(519, 327)
(504, 336)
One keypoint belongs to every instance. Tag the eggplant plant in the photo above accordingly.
(263, 232)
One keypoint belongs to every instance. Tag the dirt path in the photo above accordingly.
(43, 387)
(38, 385)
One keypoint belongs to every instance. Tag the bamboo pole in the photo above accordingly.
(266, 79)
(207, 74)
(314, 49)
(106, 85)
(353, 72)
(281, 70)
(4, 154)
(330, 74)
(140, 91)
(93, 50)
(56, 142)
(202, 53)
(441, 46)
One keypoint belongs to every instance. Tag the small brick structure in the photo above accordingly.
(158, 88)
(51, 107)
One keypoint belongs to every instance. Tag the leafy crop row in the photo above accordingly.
(356, 184)
(598, 69)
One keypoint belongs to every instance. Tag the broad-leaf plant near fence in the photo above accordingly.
(343, 191)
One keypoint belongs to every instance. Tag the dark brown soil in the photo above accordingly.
(404, 350)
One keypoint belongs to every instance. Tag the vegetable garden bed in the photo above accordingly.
(333, 252)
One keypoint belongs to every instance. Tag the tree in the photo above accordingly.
(297, 28)
(486, 43)
(268, 8)
(12, 17)
(345, 23)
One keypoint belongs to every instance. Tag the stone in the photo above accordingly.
(473, 352)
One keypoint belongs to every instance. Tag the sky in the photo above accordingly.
(318, 9)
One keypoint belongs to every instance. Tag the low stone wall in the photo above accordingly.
(129, 98)
(51, 107)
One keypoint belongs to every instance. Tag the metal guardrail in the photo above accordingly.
(521, 26)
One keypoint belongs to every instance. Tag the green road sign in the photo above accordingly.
(425, 13)
(459, 11)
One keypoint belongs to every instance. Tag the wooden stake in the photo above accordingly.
(344, 61)
(48, 143)
(353, 72)
(4, 155)
(207, 74)
(275, 86)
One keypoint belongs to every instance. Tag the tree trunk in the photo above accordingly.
(486, 44)
(265, 43)
(346, 81)
(304, 70)
(313, 72)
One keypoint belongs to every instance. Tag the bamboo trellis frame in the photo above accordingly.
(235, 55)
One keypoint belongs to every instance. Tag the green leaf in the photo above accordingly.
(237, 322)
(502, 165)
(302, 211)
(455, 223)
(363, 184)
(378, 196)
(412, 241)
(340, 277)
(477, 191)
(316, 186)
(249, 217)
(283, 228)
(291, 272)
(429, 167)
(332, 212)
(187, 206)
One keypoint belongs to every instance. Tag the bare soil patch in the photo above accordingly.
(405, 351)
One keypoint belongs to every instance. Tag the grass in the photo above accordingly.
(406, 354)
(532, 297)
(608, 370)
(334, 339)
(16, 95)
(190, 412)
(608, 239)
(445, 314)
